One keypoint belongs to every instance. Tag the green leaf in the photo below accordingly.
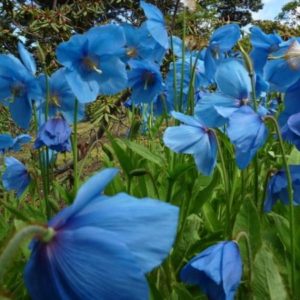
(294, 158)
(267, 283)
(145, 153)
(181, 292)
(122, 154)
(247, 220)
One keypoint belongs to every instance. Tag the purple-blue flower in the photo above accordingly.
(217, 270)
(55, 134)
(221, 41)
(15, 177)
(103, 246)
(193, 138)
(145, 81)
(18, 88)
(92, 62)
(233, 92)
(62, 99)
(140, 45)
(277, 188)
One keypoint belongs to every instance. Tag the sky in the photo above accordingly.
(271, 9)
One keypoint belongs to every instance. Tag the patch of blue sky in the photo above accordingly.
(270, 10)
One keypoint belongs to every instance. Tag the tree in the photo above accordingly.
(290, 14)
(234, 10)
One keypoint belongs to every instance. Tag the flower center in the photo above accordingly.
(54, 100)
(90, 64)
(17, 90)
(132, 52)
(148, 78)
(293, 56)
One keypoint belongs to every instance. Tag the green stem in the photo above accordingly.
(13, 245)
(291, 205)
(183, 61)
(75, 149)
(226, 183)
(244, 235)
(42, 166)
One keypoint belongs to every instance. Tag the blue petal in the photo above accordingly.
(188, 120)
(247, 139)
(231, 269)
(226, 37)
(294, 123)
(156, 24)
(280, 74)
(21, 111)
(291, 103)
(146, 226)
(105, 39)
(114, 76)
(184, 139)
(87, 263)
(237, 84)
(6, 141)
(69, 53)
(27, 58)
(206, 156)
(85, 91)
(94, 187)
(211, 107)
(20, 140)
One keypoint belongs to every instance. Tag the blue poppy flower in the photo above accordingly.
(291, 130)
(18, 88)
(92, 63)
(248, 133)
(217, 270)
(156, 24)
(233, 92)
(193, 138)
(145, 81)
(283, 70)
(262, 46)
(55, 134)
(15, 177)
(141, 45)
(102, 246)
(62, 99)
(221, 41)
(277, 188)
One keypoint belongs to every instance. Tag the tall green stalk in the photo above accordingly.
(75, 148)
(291, 205)
(226, 184)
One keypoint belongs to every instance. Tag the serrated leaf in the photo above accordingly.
(247, 220)
(267, 283)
